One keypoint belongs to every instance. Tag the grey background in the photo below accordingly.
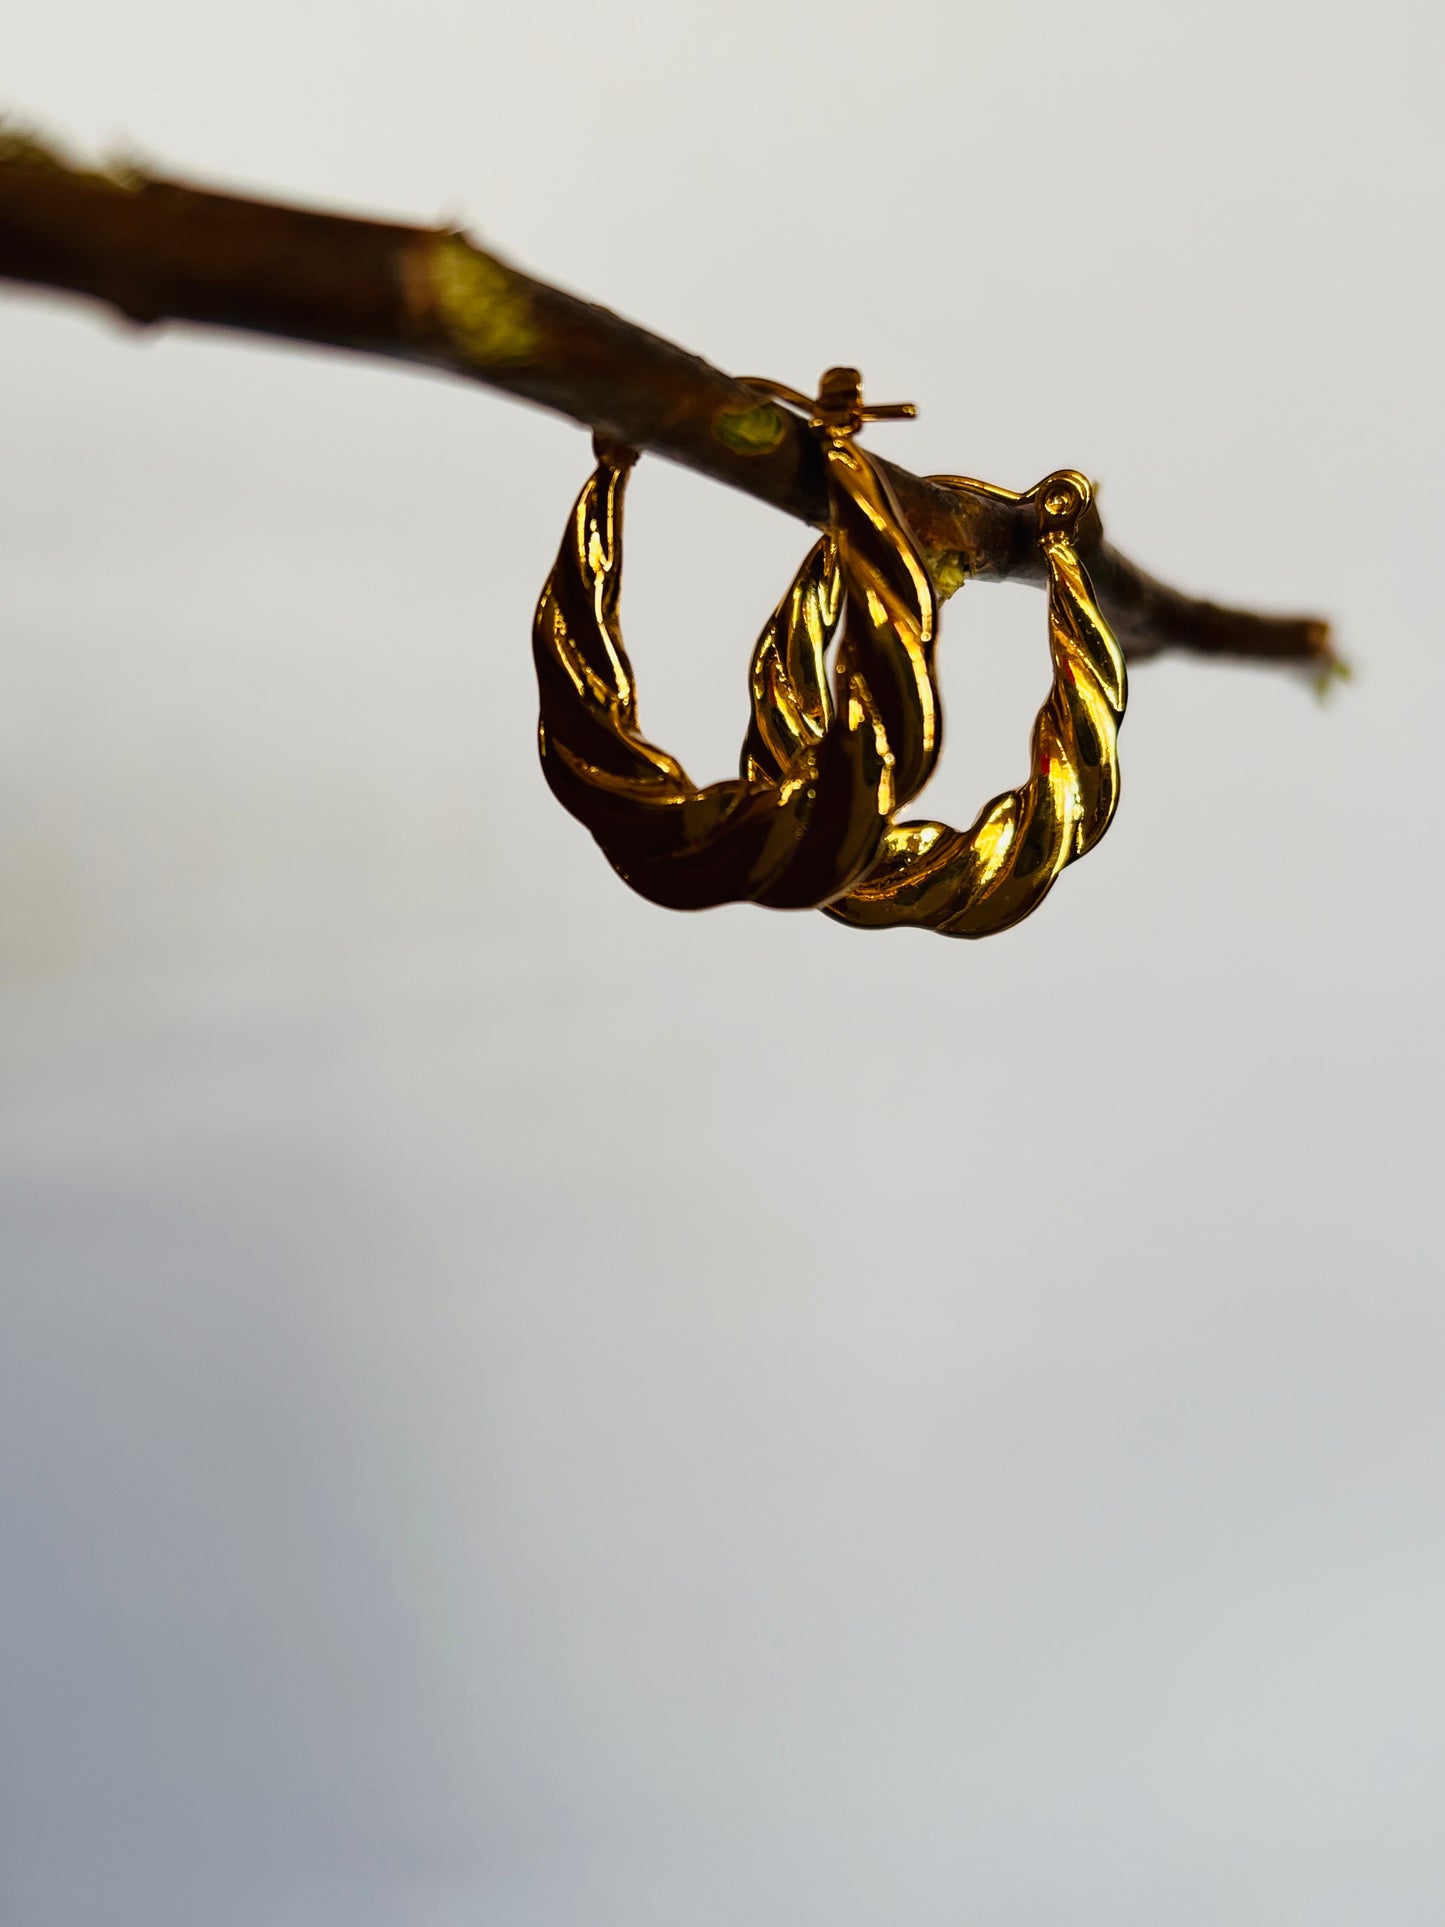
(520, 1408)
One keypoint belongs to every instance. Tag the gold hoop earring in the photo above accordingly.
(975, 882)
(824, 768)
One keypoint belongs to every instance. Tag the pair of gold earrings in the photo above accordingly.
(809, 821)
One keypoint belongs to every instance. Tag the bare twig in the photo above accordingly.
(157, 251)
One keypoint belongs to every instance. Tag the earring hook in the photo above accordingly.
(838, 409)
(1061, 498)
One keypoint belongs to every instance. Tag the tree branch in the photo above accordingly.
(160, 251)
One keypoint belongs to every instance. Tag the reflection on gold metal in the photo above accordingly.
(974, 882)
(823, 769)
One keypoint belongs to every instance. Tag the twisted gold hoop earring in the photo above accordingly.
(985, 879)
(823, 769)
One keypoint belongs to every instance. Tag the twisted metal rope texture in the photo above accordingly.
(975, 882)
(823, 770)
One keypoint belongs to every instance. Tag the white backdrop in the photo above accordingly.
(516, 1407)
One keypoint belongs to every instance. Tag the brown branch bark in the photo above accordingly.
(157, 250)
